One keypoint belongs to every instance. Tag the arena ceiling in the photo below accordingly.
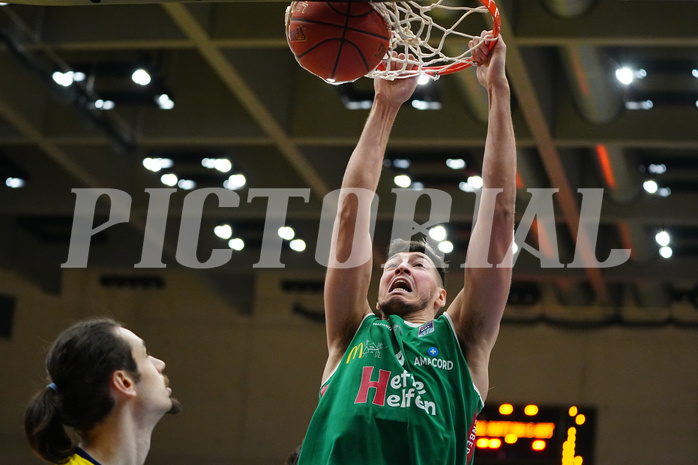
(239, 94)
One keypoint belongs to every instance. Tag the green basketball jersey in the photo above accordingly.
(401, 395)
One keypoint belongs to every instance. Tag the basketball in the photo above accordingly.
(337, 41)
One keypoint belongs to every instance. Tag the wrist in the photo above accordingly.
(385, 104)
(499, 86)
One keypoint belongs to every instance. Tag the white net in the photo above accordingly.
(434, 35)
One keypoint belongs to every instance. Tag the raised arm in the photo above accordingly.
(477, 310)
(346, 288)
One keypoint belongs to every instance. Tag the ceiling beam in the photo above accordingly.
(240, 89)
(532, 110)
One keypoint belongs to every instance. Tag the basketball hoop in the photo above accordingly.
(435, 34)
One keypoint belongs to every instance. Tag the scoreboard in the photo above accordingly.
(509, 434)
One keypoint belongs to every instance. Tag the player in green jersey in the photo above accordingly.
(105, 396)
(402, 386)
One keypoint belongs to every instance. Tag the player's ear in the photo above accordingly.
(123, 383)
(441, 299)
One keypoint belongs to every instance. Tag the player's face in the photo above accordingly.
(153, 388)
(409, 283)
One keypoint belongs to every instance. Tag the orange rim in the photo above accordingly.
(468, 62)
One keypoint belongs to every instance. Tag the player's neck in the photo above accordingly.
(119, 440)
(418, 317)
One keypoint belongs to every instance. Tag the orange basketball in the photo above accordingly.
(337, 41)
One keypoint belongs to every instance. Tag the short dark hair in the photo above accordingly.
(79, 365)
(401, 245)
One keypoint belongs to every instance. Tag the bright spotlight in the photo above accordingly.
(438, 233)
(286, 232)
(423, 80)
(224, 231)
(235, 181)
(657, 168)
(157, 164)
(625, 75)
(445, 246)
(650, 186)
(297, 244)
(141, 77)
(236, 244)
(666, 251)
(14, 183)
(186, 184)
(63, 79)
(101, 104)
(223, 165)
(455, 163)
(662, 238)
(164, 102)
(169, 179)
(402, 180)
(475, 182)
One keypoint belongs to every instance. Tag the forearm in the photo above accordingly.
(366, 162)
(499, 171)
(499, 163)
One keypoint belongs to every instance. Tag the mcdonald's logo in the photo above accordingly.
(357, 348)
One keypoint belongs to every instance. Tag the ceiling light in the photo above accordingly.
(694, 72)
(157, 164)
(465, 187)
(236, 244)
(455, 163)
(141, 77)
(657, 168)
(402, 180)
(235, 181)
(63, 79)
(358, 104)
(164, 102)
(650, 186)
(662, 238)
(286, 232)
(402, 163)
(426, 105)
(438, 233)
(475, 182)
(223, 165)
(14, 183)
(224, 231)
(664, 192)
(186, 184)
(445, 246)
(625, 75)
(666, 251)
(104, 104)
(423, 80)
(641, 105)
(169, 179)
(297, 244)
